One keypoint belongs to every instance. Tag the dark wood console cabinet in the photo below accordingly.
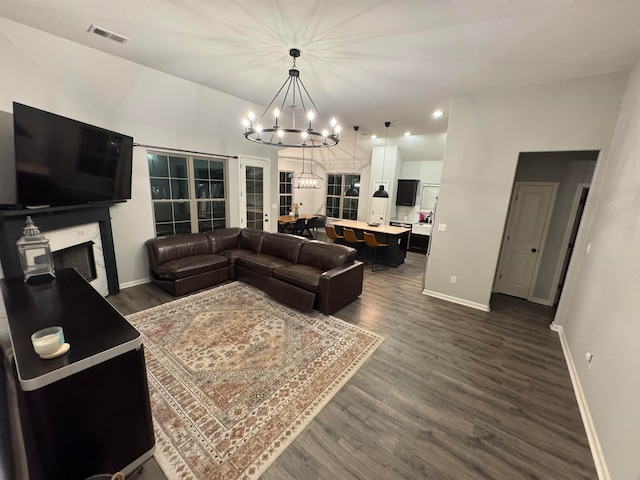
(86, 412)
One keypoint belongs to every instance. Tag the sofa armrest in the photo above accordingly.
(339, 286)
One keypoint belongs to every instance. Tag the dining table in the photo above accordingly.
(285, 220)
(293, 218)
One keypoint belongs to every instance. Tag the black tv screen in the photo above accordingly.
(60, 161)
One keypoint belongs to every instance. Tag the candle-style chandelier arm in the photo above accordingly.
(322, 122)
(287, 83)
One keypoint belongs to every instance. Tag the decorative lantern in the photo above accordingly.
(35, 253)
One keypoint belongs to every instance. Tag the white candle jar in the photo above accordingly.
(48, 340)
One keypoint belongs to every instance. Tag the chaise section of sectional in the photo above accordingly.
(183, 263)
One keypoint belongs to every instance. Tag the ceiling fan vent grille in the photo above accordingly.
(103, 32)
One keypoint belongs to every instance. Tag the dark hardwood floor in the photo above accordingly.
(452, 393)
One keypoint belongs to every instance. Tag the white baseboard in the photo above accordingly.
(594, 443)
(459, 301)
(133, 283)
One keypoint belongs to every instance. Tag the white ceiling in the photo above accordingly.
(363, 61)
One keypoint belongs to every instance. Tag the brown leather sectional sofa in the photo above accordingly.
(301, 273)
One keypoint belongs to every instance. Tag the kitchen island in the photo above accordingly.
(396, 237)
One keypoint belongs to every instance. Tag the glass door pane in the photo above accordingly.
(254, 196)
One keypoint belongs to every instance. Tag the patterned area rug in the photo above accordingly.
(234, 377)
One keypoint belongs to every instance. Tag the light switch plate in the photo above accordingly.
(442, 227)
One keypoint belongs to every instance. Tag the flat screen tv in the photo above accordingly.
(60, 161)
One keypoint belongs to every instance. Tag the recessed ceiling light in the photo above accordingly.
(374, 136)
(407, 134)
(437, 114)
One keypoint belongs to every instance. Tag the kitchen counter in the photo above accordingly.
(386, 229)
(421, 229)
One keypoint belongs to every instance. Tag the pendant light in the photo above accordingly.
(381, 192)
(304, 179)
(352, 191)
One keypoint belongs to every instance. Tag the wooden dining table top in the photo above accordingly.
(293, 218)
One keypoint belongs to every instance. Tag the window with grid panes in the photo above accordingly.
(208, 186)
(339, 206)
(170, 194)
(286, 193)
(178, 208)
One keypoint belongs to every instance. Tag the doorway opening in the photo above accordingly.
(572, 171)
(582, 194)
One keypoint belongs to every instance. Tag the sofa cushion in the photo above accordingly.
(326, 256)
(261, 263)
(303, 276)
(251, 239)
(223, 239)
(282, 245)
(179, 246)
(192, 265)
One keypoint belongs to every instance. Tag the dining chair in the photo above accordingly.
(371, 241)
(298, 227)
(314, 223)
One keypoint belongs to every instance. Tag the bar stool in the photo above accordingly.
(371, 241)
(330, 230)
(350, 237)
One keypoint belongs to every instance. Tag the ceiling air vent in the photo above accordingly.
(103, 32)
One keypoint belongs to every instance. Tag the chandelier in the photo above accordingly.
(293, 99)
(306, 179)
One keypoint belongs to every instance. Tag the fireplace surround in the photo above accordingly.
(12, 222)
(80, 256)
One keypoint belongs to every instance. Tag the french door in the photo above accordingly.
(254, 193)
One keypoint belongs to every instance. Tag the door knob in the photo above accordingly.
(534, 250)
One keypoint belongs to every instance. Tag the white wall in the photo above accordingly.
(599, 307)
(63, 77)
(485, 137)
